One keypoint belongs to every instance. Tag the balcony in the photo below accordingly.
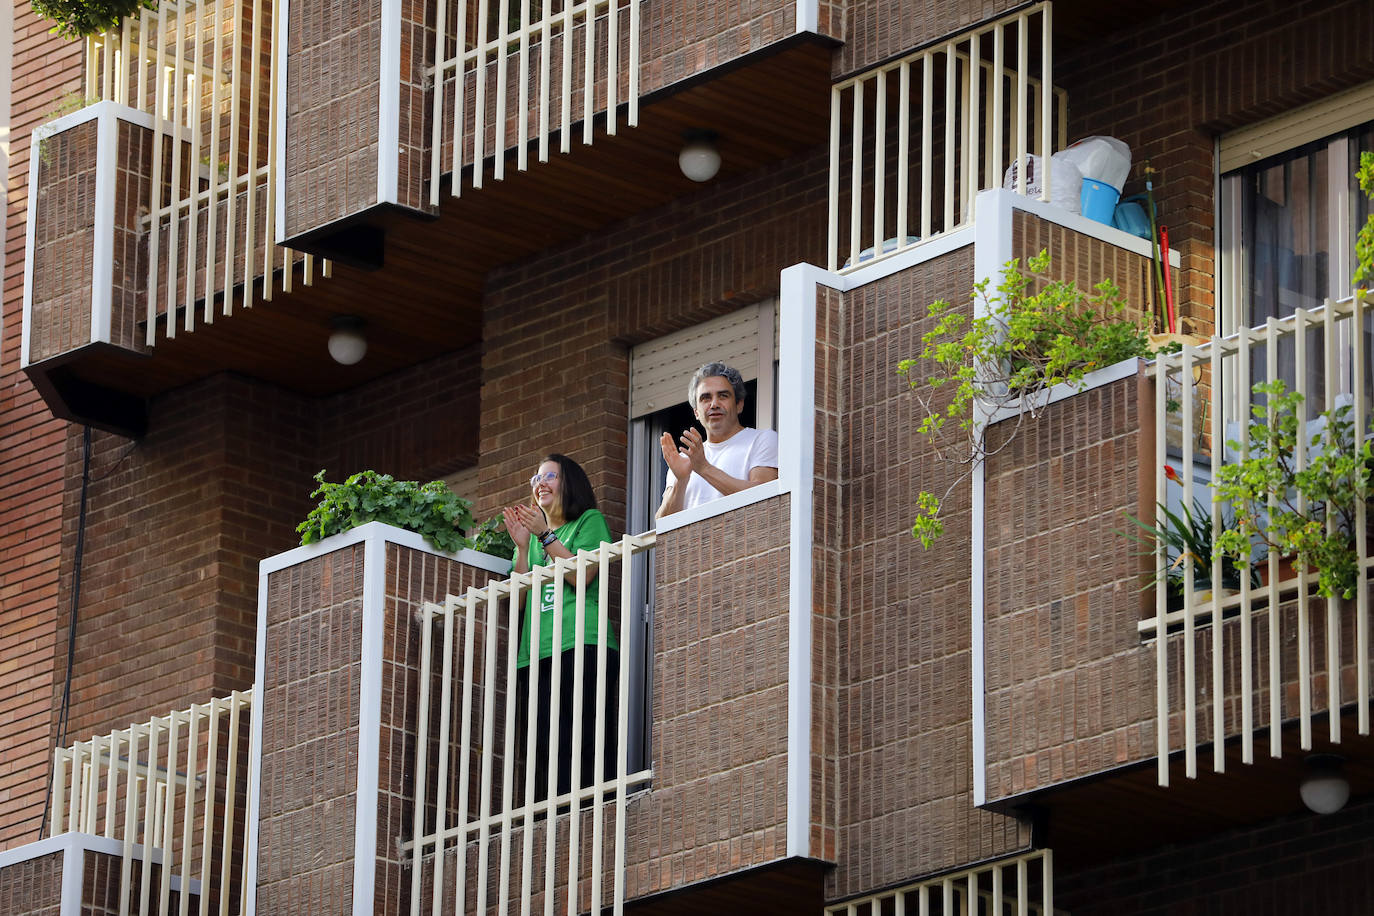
(382, 728)
(1106, 699)
(231, 167)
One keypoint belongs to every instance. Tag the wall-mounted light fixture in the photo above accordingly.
(699, 159)
(347, 344)
(1324, 788)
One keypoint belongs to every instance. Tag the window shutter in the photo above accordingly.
(1294, 128)
(661, 368)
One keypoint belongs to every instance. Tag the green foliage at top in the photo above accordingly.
(1309, 513)
(79, 18)
(1022, 342)
(1364, 242)
(431, 510)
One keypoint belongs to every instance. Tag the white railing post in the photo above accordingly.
(554, 32)
(1284, 600)
(147, 829)
(481, 682)
(973, 140)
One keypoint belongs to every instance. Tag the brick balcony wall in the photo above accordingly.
(875, 30)
(309, 769)
(33, 887)
(1085, 261)
(904, 641)
(1070, 688)
(719, 798)
(332, 92)
(64, 241)
(681, 38)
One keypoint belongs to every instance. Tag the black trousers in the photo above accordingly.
(538, 756)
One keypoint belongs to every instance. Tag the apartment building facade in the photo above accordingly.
(816, 714)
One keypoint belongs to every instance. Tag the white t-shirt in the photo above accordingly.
(747, 449)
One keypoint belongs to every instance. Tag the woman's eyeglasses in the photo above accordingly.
(546, 477)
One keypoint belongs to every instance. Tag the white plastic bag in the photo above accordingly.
(1066, 181)
(1104, 159)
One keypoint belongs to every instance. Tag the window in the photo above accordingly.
(659, 372)
(1290, 208)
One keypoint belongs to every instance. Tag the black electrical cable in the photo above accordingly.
(71, 622)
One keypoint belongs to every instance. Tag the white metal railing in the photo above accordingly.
(936, 108)
(495, 804)
(1020, 885)
(170, 790)
(476, 36)
(209, 73)
(1323, 354)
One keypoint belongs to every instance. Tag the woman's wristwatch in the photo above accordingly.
(547, 538)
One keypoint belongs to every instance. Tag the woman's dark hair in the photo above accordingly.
(577, 489)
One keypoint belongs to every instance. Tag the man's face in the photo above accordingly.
(717, 409)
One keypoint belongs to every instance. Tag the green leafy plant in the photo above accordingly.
(431, 510)
(1025, 341)
(80, 18)
(491, 538)
(1364, 241)
(1188, 533)
(1305, 513)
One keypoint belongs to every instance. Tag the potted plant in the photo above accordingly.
(431, 510)
(1032, 334)
(1189, 534)
(1307, 514)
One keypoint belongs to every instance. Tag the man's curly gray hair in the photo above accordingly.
(729, 373)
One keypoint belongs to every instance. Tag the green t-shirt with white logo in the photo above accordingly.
(586, 532)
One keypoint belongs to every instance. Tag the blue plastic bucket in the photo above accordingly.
(1098, 200)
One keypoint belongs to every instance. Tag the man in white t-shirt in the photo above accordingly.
(732, 458)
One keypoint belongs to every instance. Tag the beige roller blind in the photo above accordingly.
(661, 368)
(1294, 128)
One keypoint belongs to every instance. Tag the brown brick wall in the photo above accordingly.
(178, 521)
(332, 92)
(64, 242)
(828, 598)
(1169, 85)
(31, 459)
(719, 800)
(1304, 864)
(417, 424)
(129, 275)
(413, 578)
(680, 38)
(904, 736)
(578, 309)
(33, 887)
(875, 30)
(175, 526)
(309, 707)
(1085, 261)
(1069, 686)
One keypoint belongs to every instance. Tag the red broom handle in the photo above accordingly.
(1168, 276)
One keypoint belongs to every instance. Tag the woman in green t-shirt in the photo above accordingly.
(561, 521)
